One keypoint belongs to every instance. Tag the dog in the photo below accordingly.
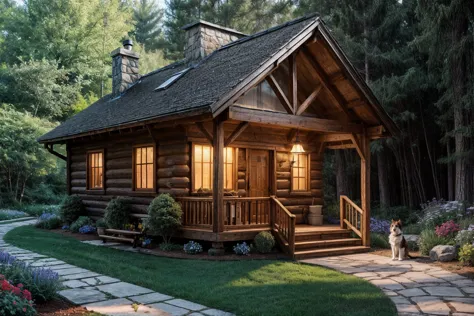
(398, 242)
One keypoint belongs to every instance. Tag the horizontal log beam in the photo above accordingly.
(373, 132)
(344, 146)
(292, 121)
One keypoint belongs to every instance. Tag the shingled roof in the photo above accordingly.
(199, 88)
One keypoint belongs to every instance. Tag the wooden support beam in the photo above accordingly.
(324, 79)
(343, 146)
(203, 130)
(292, 121)
(365, 189)
(280, 94)
(218, 174)
(291, 135)
(293, 82)
(373, 132)
(150, 131)
(51, 151)
(242, 126)
(355, 141)
(306, 103)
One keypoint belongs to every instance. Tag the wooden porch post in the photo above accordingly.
(218, 175)
(365, 187)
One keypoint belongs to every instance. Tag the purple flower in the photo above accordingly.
(379, 226)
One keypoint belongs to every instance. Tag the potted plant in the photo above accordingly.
(101, 226)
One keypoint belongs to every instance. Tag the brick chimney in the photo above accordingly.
(124, 68)
(202, 38)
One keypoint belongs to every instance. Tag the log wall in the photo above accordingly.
(173, 168)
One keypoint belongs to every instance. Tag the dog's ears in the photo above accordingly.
(400, 223)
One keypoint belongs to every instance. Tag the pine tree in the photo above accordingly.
(147, 20)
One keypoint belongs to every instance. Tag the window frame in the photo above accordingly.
(88, 153)
(134, 166)
(308, 173)
(194, 190)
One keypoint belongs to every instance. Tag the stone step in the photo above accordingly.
(326, 252)
(331, 243)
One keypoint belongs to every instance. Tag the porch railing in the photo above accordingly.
(351, 215)
(284, 225)
(239, 212)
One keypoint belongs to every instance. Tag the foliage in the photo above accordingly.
(403, 213)
(379, 226)
(23, 163)
(15, 300)
(222, 285)
(429, 239)
(164, 217)
(42, 282)
(242, 249)
(379, 241)
(466, 254)
(448, 229)
(264, 242)
(192, 248)
(464, 237)
(48, 221)
(11, 214)
(71, 209)
(147, 19)
(117, 212)
(170, 246)
(38, 209)
(100, 223)
(80, 222)
(87, 229)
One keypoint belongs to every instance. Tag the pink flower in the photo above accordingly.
(20, 285)
(14, 302)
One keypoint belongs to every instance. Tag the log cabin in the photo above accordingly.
(236, 132)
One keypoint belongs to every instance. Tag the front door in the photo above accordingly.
(258, 173)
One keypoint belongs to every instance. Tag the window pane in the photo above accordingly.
(197, 176)
(138, 155)
(197, 153)
(100, 159)
(144, 176)
(206, 176)
(138, 179)
(228, 177)
(206, 154)
(100, 177)
(302, 184)
(149, 172)
(149, 155)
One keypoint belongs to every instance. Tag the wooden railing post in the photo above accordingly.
(291, 236)
(218, 174)
(341, 210)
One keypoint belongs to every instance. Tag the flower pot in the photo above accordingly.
(315, 209)
(101, 231)
(315, 220)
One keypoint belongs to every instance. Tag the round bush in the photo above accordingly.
(117, 212)
(81, 221)
(466, 254)
(192, 248)
(71, 209)
(264, 242)
(164, 217)
(464, 237)
(242, 249)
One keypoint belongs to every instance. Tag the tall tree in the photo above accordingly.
(147, 19)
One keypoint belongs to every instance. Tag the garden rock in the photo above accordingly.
(443, 253)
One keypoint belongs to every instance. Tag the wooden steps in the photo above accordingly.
(311, 242)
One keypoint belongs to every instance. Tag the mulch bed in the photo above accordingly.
(180, 254)
(453, 266)
(59, 307)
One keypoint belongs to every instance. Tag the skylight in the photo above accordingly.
(172, 79)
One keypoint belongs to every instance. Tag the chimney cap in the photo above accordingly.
(215, 26)
(127, 44)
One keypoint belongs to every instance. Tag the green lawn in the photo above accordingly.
(256, 287)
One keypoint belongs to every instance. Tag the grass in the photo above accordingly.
(257, 287)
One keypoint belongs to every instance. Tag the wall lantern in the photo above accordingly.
(296, 149)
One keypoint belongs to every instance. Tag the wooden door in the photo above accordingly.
(258, 173)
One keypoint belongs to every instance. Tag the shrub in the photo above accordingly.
(464, 237)
(87, 229)
(379, 241)
(100, 223)
(38, 209)
(466, 254)
(71, 209)
(11, 214)
(80, 222)
(436, 212)
(169, 246)
(429, 239)
(448, 229)
(15, 300)
(192, 248)
(42, 282)
(264, 242)
(164, 217)
(48, 221)
(117, 212)
(379, 226)
(242, 249)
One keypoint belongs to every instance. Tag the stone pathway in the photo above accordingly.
(416, 288)
(103, 294)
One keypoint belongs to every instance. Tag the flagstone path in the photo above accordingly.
(103, 294)
(416, 288)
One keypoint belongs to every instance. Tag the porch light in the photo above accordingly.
(297, 147)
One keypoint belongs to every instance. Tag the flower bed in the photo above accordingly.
(11, 214)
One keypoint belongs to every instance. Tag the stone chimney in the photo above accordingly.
(202, 38)
(124, 68)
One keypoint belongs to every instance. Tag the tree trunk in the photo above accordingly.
(450, 172)
(382, 170)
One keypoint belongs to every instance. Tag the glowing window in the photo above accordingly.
(300, 173)
(95, 170)
(144, 168)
